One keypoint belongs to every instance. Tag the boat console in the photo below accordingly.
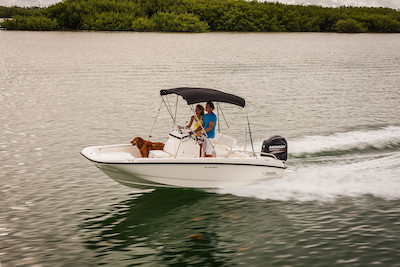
(183, 145)
(179, 145)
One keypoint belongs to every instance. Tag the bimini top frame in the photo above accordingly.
(197, 95)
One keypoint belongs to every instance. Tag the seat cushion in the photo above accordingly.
(222, 150)
(158, 154)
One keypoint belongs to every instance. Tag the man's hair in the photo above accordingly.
(211, 104)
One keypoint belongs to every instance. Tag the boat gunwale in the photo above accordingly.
(163, 161)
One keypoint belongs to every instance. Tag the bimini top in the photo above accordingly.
(198, 95)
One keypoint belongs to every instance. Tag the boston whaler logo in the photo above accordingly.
(268, 172)
(277, 147)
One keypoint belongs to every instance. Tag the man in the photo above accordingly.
(210, 121)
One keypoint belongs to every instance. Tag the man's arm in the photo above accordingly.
(210, 126)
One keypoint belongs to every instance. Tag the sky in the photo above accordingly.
(328, 3)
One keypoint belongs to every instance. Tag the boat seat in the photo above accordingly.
(223, 145)
(170, 147)
(222, 151)
(158, 154)
(225, 140)
(217, 137)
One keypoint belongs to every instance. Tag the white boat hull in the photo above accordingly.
(181, 162)
(203, 173)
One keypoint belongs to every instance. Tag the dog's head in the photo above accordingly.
(137, 141)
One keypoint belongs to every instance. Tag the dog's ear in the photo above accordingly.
(140, 141)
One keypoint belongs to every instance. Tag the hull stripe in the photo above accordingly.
(183, 163)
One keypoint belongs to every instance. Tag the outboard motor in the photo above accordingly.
(276, 145)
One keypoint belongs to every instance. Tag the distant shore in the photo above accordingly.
(199, 16)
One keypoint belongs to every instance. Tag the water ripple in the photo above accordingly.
(60, 92)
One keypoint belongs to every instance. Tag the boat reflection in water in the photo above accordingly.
(168, 226)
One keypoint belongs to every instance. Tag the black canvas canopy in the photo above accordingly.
(198, 95)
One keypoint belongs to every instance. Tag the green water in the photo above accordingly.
(334, 97)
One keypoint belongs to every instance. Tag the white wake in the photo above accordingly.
(378, 139)
(329, 178)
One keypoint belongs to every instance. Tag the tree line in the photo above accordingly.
(199, 16)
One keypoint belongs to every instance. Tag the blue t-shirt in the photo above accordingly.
(207, 119)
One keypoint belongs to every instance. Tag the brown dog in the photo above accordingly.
(145, 146)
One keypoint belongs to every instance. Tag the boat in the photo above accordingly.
(179, 163)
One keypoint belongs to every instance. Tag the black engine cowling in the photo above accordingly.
(276, 145)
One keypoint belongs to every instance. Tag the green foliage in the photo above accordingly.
(41, 23)
(8, 12)
(349, 26)
(173, 22)
(143, 24)
(31, 23)
(107, 21)
(18, 22)
(201, 16)
(381, 23)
